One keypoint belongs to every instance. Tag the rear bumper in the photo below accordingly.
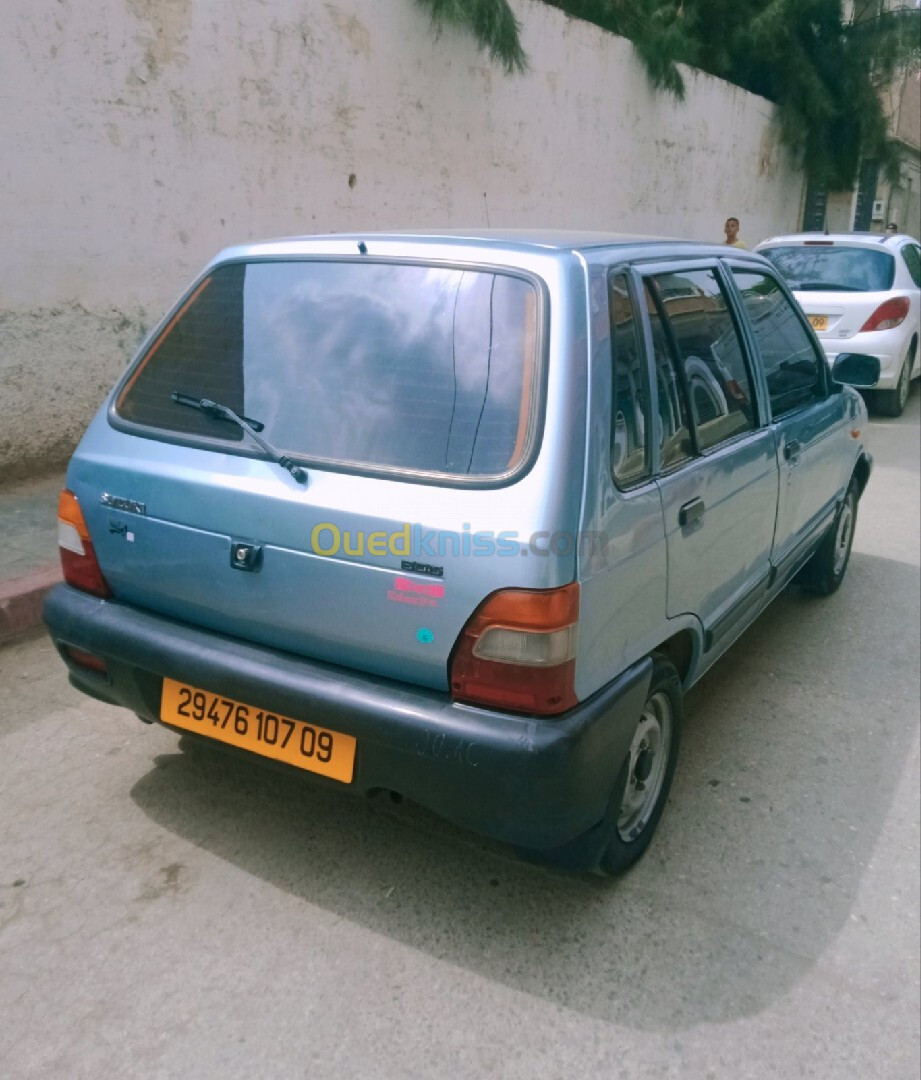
(535, 783)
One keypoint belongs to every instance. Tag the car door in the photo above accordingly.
(717, 461)
(806, 416)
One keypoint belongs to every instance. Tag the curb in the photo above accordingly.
(21, 601)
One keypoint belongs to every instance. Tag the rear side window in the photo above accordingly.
(833, 268)
(791, 364)
(674, 425)
(630, 406)
(912, 257)
(711, 368)
(420, 368)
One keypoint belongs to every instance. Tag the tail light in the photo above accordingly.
(887, 315)
(85, 659)
(78, 559)
(518, 652)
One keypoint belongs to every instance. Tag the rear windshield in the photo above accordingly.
(409, 367)
(844, 269)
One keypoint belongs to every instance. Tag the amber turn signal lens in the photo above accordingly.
(518, 652)
(78, 557)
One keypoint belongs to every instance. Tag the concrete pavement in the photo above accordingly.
(174, 913)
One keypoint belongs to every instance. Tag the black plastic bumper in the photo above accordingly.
(531, 782)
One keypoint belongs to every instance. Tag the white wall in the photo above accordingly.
(141, 136)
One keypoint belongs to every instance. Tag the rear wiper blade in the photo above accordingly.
(252, 428)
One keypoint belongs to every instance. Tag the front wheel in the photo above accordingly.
(825, 570)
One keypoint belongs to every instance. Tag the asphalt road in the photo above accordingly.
(180, 914)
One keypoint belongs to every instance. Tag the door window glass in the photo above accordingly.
(674, 427)
(792, 364)
(710, 354)
(630, 405)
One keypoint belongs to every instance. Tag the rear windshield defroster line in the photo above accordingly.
(417, 368)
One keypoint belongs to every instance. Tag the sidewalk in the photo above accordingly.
(29, 563)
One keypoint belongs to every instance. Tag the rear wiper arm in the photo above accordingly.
(252, 428)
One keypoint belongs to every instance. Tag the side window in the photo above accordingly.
(630, 405)
(792, 364)
(709, 353)
(912, 256)
(672, 423)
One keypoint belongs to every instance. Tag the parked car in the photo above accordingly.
(458, 517)
(862, 293)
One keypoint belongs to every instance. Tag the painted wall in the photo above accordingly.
(141, 136)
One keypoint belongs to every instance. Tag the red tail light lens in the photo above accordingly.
(887, 315)
(518, 652)
(78, 559)
(85, 659)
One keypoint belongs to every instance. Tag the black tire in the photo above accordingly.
(892, 402)
(626, 830)
(826, 569)
(629, 832)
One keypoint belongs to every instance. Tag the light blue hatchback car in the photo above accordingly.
(458, 517)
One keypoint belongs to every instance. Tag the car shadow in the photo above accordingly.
(781, 794)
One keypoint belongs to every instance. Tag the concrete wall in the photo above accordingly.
(141, 136)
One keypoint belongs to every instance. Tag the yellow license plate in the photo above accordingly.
(295, 742)
(819, 322)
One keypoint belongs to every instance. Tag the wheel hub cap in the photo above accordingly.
(648, 762)
(643, 766)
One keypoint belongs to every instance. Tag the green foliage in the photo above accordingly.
(823, 70)
(491, 22)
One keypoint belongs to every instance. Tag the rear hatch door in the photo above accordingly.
(410, 396)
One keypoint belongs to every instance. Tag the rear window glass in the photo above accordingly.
(834, 269)
(418, 368)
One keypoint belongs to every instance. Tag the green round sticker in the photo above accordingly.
(425, 635)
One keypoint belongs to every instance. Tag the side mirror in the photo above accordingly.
(856, 370)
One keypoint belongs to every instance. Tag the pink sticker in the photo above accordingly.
(404, 585)
(411, 598)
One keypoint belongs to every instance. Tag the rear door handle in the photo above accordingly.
(691, 511)
(791, 450)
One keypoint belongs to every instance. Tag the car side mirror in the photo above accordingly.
(856, 370)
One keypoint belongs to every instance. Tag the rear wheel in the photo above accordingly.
(640, 790)
(645, 778)
(892, 402)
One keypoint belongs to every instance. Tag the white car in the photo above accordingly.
(862, 294)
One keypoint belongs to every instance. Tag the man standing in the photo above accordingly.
(731, 229)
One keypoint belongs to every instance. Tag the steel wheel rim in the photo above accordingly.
(650, 750)
(843, 535)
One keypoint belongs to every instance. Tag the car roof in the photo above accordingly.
(852, 239)
(520, 241)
